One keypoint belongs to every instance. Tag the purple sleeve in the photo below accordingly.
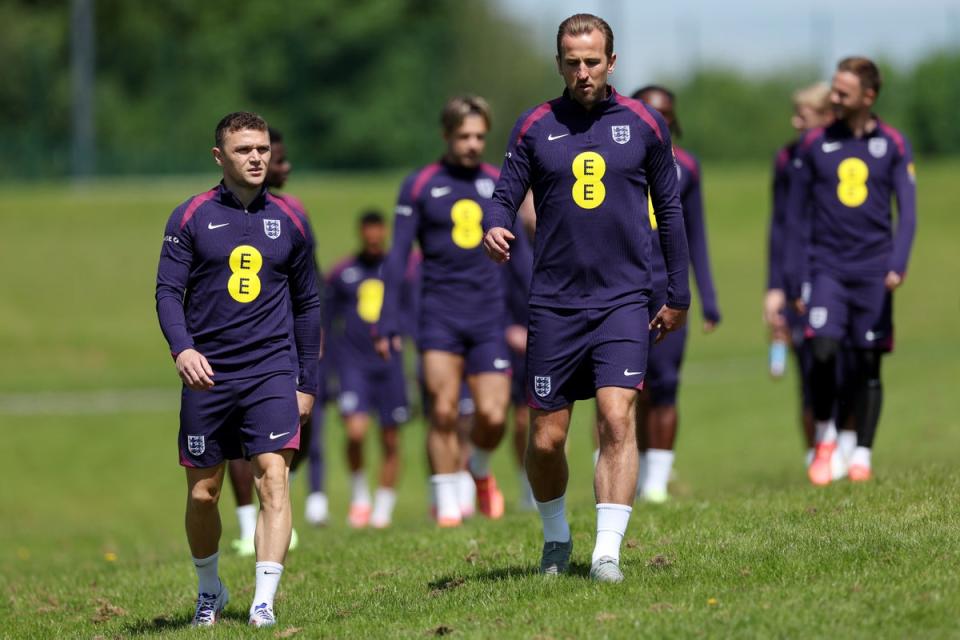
(904, 184)
(777, 227)
(664, 193)
(173, 273)
(796, 220)
(305, 302)
(696, 229)
(514, 181)
(405, 225)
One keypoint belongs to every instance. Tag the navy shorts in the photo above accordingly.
(479, 341)
(383, 390)
(239, 419)
(573, 352)
(855, 310)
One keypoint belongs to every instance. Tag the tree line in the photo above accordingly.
(354, 84)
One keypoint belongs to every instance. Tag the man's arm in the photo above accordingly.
(406, 222)
(511, 190)
(696, 228)
(796, 220)
(905, 188)
(307, 325)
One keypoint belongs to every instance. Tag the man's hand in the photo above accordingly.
(774, 302)
(497, 244)
(892, 281)
(385, 346)
(709, 326)
(305, 406)
(667, 320)
(194, 370)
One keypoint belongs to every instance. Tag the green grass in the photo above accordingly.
(91, 542)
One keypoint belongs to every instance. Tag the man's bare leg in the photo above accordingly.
(548, 473)
(203, 527)
(442, 374)
(616, 478)
(271, 473)
(491, 397)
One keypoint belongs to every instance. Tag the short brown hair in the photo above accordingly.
(458, 108)
(238, 121)
(863, 68)
(581, 23)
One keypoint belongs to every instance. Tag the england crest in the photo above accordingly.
(485, 187)
(196, 445)
(541, 384)
(621, 133)
(818, 317)
(271, 228)
(877, 147)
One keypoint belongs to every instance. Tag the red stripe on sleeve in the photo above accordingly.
(290, 214)
(896, 136)
(195, 204)
(537, 113)
(425, 174)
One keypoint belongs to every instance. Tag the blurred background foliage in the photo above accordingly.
(356, 84)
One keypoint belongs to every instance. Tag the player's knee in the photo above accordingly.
(546, 442)
(824, 350)
(204, 495)
(492, 414)
(444, 415)
(273, 485)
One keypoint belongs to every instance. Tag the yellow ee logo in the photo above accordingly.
(370, 300)
(467, 232)
(852, 188)
(245, 264)
(588, 190)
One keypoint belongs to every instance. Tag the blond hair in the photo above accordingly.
(816, 96)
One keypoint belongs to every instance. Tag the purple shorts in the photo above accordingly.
(480, 342)
(855, 310)
(573, 352)
(383, 390)
(239, 419)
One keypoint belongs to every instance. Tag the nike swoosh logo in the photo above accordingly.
(500, 363)
(439, 192)
(829, 147)
(627, 372)
(552, 137)
(274, 436)
(212, 226)
(403, 210)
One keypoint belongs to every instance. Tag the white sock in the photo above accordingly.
(826, 431)
(612, 522)
(861, 456)
(596, 457)
(268, 579)
(383, 503)
(247, 517)
(360, 492)
(659, 463)
(208, 577)
(445, 486)
(466, 493)
(526, 492)
(479, 462)
(847, 442)
(554, 517)
(642, 472)
(808, 459)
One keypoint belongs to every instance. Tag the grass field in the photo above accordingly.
(91, 541)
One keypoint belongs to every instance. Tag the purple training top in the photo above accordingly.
(443, 206)
(850, 181)
(591, 172)
(228, 279)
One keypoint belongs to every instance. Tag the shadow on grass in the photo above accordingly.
(448, 583)
(161, 624)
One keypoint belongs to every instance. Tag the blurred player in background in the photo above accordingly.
(811, 109)
(240, 471)
(368, 383)
(235, 261)
(461, 320)
(591, 157)
(850, 170)
(657, 409)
